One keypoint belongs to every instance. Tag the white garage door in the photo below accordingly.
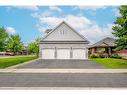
(63, 53)
(79, 54)
(48, 54)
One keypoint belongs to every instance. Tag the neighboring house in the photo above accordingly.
(122, 53)
(105, 45)
(63, 42)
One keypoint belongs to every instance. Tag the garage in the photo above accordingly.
(63, 53)
(48, 53)
(79, 54)
(63, 42)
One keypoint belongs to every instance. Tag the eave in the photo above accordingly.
(64, 42)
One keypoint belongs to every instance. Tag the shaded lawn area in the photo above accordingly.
(111, 63)
(6, 62)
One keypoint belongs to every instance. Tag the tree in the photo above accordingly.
(3, 38)
(120, 29)
(33, 47)
(15, 44)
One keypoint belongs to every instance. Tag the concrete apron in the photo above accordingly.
(63, 71)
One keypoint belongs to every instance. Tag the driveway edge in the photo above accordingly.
(21, 64)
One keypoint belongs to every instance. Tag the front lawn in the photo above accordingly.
(6, 62)
(111, 63)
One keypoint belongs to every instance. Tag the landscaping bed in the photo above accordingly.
(6, 62)
(111, 62)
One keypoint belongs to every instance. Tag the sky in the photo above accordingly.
(30, 22)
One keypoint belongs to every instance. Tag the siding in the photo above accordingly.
(63, 33)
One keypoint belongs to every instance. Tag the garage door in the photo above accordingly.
(48, 54)
(63, 53)
(79, 54)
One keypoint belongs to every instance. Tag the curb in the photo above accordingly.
(63, 88)
(21, 64)
(67, 71)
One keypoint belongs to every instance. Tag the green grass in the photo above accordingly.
(111, 63)
(6, 62)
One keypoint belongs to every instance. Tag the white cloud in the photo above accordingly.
(96, 33)
(10, 30)
(33, 8)
(54, 8)
(77, 21)
(93, 8)
(47, 13)
(90, 29)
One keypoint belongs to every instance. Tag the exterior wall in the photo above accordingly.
(87, 53)
(63, 33)
(122, 53)
(40, 55)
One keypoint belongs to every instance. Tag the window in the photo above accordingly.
(62, 32)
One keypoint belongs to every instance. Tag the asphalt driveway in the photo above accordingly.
(62, 64)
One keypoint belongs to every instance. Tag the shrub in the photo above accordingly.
(105, 55)
(102, 56)
(94, 56)
(115, 56)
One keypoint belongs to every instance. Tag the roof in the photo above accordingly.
(69, 27)
(106, 42)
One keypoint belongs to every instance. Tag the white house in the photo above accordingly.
(63, 42)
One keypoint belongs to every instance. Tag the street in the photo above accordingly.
(62, 80)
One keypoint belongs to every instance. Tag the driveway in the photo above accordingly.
(62, 80)
(62, 64)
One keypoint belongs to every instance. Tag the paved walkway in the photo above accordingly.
(84, 71)
(62, 64)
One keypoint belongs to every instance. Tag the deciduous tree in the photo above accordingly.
(3, 38)
(33, 47)
(15, 44)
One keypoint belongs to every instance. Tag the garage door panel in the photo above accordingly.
(79, 54)
(48, 54)
(63, 54)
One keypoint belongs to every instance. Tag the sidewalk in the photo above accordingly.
(63, 71)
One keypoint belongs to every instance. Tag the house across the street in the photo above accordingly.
(63, 42)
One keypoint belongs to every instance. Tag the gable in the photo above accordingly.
(103, 44)
(63, 32)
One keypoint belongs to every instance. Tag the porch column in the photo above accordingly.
(109, 50)
(93, 50)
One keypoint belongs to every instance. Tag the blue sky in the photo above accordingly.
(30, 22)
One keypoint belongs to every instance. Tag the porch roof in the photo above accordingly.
(106, 42)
